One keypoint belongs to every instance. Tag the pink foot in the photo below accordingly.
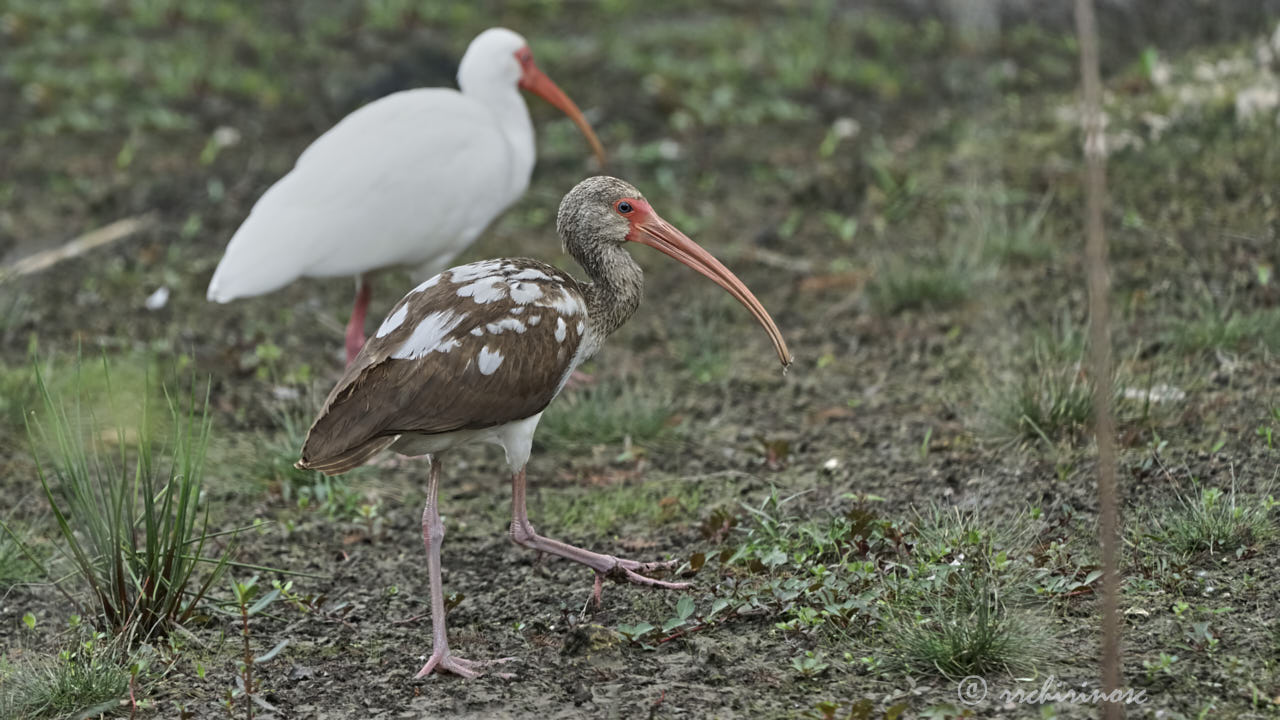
(629, 571)
(443, 661)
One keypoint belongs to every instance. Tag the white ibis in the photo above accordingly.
(477, 353)
(411, 179)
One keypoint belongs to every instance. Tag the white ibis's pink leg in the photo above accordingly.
(355, 326)
(432, 536)
(522, 533)
(578, 380)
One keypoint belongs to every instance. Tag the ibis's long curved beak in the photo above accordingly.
(660, 234)
(537, 82)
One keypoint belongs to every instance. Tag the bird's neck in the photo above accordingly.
(617, 284)
(511, 116)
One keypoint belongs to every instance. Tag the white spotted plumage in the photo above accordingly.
(431, 335)
(497, 328)
(488, 360)
(393, 321)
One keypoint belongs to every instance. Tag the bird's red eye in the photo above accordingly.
(624, 207)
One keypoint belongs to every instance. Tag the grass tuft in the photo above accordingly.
(129, 517)
(1010, 233)
(1215, 522)
(80, 684)
(967, 631)
(1211, 329)
(1050, 398)
(900, 284)
(962, 608)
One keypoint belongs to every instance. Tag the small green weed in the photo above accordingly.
(248, 603)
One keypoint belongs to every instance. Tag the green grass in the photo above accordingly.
(1048, 400)
(968, 630)
(610, 510)
(935, 282)
(1214, 523)
(944, 594)
(1229, 330)
(75, 684)
(129, 518)
(279, 450)
(610, 412)
(1010, 232)
(965, 607)
(16, 566)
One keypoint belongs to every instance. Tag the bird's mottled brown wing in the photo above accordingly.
(473, 347)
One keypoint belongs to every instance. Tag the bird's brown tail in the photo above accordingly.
(348, 459)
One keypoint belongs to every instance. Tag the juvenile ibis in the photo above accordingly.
(476, 353)
(411, 179)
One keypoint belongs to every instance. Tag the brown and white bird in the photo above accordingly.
(476, 353)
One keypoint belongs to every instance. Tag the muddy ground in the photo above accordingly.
(900, 187)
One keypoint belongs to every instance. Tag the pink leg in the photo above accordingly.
(579, 380)
(432, 536)
(522, 533)
(355, 326)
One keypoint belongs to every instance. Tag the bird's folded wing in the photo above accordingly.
(474, 347)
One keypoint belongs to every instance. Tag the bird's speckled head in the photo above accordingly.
(491, 60)
(597, 211)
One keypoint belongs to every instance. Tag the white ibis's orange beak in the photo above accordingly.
(537, 82)
(650, 229)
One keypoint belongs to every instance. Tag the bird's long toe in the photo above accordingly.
(647, 567)
(445, 661)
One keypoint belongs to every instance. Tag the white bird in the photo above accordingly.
(411, 179)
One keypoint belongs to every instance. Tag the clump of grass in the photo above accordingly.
(961, 609)
(1012, 233)
(129, 517)
(612, 411)
(968, 630)
(1214, 522)
(900, 284)
(1212, 329)
(74, 684)
(1049, 399)
(1048, 403)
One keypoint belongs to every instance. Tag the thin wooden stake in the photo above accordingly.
(91, 240)
(1095, 153)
